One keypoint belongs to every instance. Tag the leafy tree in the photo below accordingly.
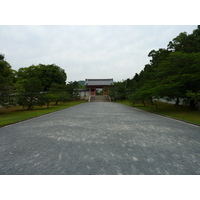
(52, 74)
(179, 73)
(40, 84)
(172, 71)
(118, 91)
(145, 83)
(58, 93)
(6, 83)
(141, 94)
(186, 43)
(195, 97)
(180, 43)
(2, 56)
(196, 34)
(158, 56)
(70, 88)
(48, 74)
(30, 93)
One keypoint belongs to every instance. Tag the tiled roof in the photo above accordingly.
(90, 82)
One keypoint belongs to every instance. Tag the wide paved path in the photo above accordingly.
(100, 138)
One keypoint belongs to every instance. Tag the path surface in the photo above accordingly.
(100, 138)
(99, 98)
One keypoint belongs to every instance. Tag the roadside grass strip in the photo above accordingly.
(17, 113)
(180, 112)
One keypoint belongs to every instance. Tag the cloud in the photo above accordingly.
(86, 51)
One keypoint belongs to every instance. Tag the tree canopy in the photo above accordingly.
(34, 85)
(46, 74)
(172, 72)
(6, 82)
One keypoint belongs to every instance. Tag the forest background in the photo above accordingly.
(173, 73)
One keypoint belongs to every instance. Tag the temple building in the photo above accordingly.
(95, 85)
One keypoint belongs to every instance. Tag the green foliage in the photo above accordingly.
(48, 74)
(35, 85)
(70, 88)
(58, 93)
(6, 84)
(2, 57)
(186, 43)
(41, 84)
(121, 90)
(195, 98)
(170, 73)
(30, 93)
(117, 92)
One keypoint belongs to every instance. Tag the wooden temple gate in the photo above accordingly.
(94, 84)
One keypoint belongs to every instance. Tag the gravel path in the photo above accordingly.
(100, 138)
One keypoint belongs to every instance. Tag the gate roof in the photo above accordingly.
(98, 82)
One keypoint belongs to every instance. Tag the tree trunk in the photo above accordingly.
(152, 103)
(156, 104)
(177, 101)
(192, 104)
(143, 102)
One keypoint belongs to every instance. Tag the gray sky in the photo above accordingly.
(91, 51)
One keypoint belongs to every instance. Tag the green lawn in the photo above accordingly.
(178, 112)
(16, 114)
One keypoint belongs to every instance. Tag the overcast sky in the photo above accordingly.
(116, 52)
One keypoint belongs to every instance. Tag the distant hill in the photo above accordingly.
(81, 83)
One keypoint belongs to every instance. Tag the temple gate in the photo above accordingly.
(94, 84)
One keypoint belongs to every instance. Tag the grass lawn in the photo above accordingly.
(17, 113)
(178, 112)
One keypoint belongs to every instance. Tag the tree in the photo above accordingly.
(186, 43)
(142, 94)
(179, 43)
(2, 56)
(196, 34)
(118, 91)
(35, 82)
(6, 83)
(58, 93)
(30, 93)
(71, 90)
(179, 73)
(48, 74)
(51, 74)
(171, 71)
(195, 97)
(144, 84)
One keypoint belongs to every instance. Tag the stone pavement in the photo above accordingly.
(100, 138)
(99, 98)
